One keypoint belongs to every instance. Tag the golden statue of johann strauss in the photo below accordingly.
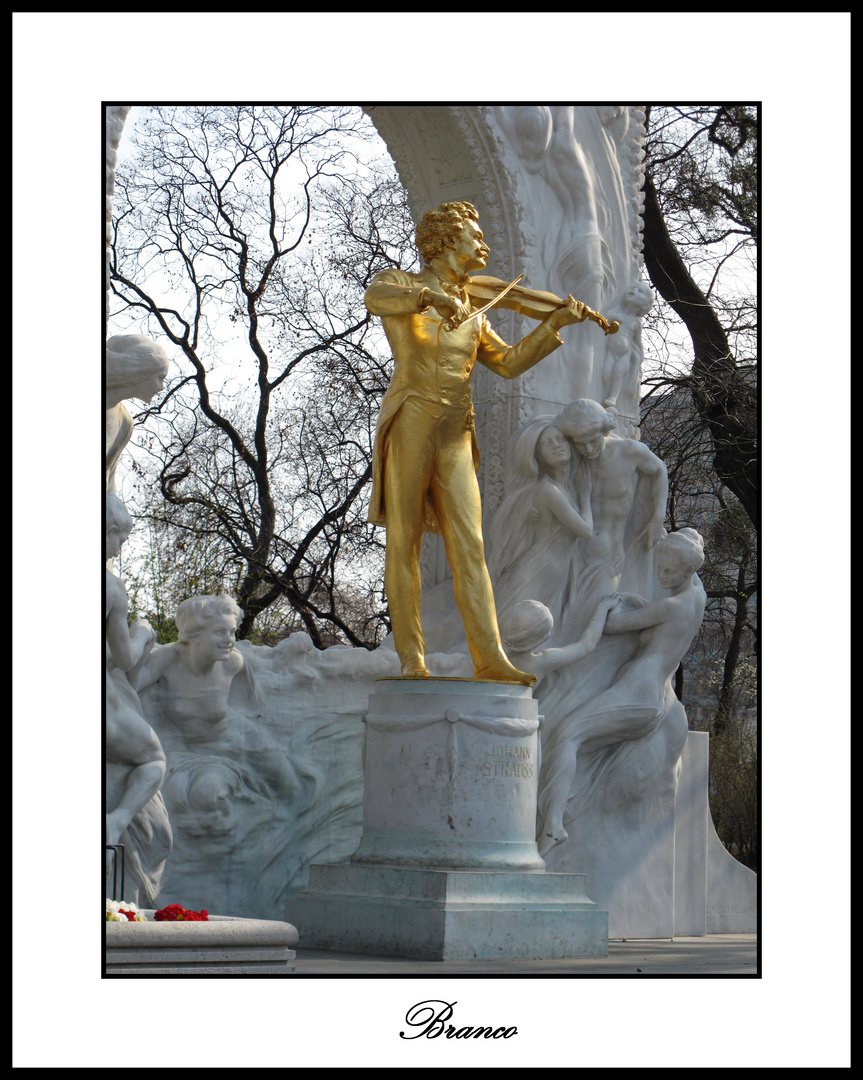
(426, 454)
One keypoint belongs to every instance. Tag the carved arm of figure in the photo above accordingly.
(650, 467)
(583, 485)
(550, 498)
(128, 646)
(530, 623)
(552, 659)
(641, 615)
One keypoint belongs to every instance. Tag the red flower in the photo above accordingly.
(177, 913)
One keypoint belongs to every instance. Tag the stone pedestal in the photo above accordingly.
(448, 866)
(451, 769)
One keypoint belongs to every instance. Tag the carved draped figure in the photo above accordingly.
(531, 554)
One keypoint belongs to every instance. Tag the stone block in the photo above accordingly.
(221, 946)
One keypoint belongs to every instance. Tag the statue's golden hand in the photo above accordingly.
(573, 311)
(448, 307)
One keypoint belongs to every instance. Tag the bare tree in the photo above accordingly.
(246, 236)
(700, 245)
(701, 387)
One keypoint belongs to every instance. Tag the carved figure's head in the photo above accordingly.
(118, 525)
(525, 626)
(135, 365)
(453, 223)
(587, 423)
(533, 450)
(678, 556)
(552, 449)
(638, 298)
(209, 622)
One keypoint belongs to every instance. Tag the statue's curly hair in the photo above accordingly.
(195, 613)
(584, 418)
(438, 226)
(688, 544)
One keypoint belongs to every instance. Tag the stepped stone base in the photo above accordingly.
(446, 914)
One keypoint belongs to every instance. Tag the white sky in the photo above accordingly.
(64, 65)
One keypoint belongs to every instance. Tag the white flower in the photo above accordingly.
(114, 909)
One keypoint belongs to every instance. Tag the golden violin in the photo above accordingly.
(533, 303)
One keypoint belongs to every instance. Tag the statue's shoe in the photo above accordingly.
(503, 671)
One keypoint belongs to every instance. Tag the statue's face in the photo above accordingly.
(591, 446)
(147, 389)
(553, 447)
(672, 567)
(639, 299)
(115, 537)
(215, 641)
(469, 248)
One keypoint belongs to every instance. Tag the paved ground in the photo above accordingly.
(719, 954)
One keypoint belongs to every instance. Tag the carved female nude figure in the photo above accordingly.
(641, 694)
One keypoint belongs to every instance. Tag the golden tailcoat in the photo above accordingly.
(436, 364)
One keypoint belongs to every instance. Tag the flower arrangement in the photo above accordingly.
(122, 911)
(177, 913)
